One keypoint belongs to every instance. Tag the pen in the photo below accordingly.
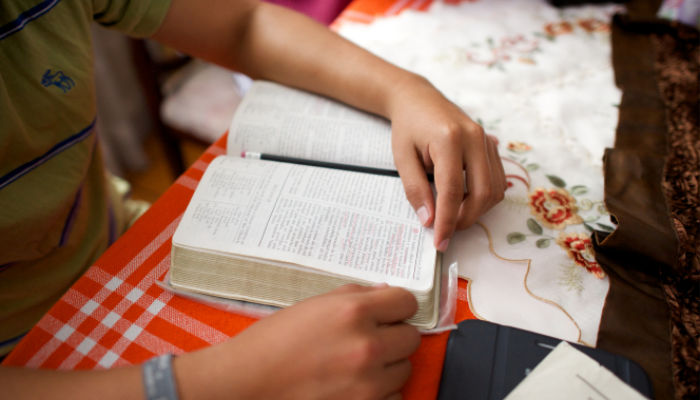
(324, 164)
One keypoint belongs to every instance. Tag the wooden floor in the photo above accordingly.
(150, 183)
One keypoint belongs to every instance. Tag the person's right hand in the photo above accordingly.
(350, 343)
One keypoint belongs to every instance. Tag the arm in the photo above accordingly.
(428, 131)
(116, 383)
(348, 343)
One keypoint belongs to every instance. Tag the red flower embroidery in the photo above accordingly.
(519, 147)
(579, 248)
(558, 28)
(554, 208)
(507, 49)
(594, 25)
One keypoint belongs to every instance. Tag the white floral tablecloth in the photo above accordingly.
(539, 78)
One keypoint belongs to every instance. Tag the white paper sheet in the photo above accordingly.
(570, 374)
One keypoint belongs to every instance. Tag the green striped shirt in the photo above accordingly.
(55, 213)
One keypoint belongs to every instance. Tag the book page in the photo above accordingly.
(279, 120)
(346, 223)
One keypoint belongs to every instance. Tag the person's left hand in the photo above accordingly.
(431, 134)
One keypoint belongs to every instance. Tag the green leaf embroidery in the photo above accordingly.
(585, 204)
(542, 243)
(532, 167)
(515, 237)
(556, 181)
(534, 227)
(590, 228)
(579, 190)
(605, 227)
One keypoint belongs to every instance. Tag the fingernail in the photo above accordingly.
(443, 245)
(380, 285)
(423, 215)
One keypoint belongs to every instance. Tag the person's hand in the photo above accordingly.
(350, 343)
(431, 134)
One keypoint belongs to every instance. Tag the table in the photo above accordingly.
(117, 315)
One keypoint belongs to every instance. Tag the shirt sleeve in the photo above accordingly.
(139, 18)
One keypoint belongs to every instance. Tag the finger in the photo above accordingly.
(394, 377)
(390, 305)
(415, 182)
(478, 181)
(398, 342)
(449, 184)
(498, 176)
(501, 169)
(394, 396)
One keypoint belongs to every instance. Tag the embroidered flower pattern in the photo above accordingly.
(594, 25)
(579, 248)
(589, 25)
(497, 53)
(519, 147)
(558, 28)
(554, 208)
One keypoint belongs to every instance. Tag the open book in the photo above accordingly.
(276, 233)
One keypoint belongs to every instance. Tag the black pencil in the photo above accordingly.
(324, 164)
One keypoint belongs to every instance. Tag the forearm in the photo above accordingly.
(294, 50)
(116, 383)
(271, 42)
(204, 374)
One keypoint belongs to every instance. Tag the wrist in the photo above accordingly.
(406, 88)
(215, 372)
(158, 378)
